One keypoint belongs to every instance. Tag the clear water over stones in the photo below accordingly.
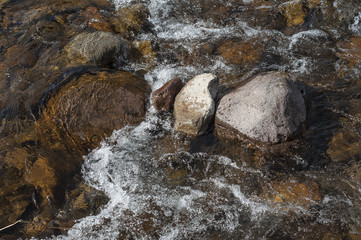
(183, 195)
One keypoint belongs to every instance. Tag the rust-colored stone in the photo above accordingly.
(350, 50)
(131, 20)
(313, 3)
(294, 12)
(94, 19)
(18, 55)
(331, 236)
(42, 176)
(142, 52)
(237, 52)
(344, 147)
(15, 196)
(90, 108)
(293, 191)
(163, 98)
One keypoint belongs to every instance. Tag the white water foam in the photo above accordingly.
(356, 25)
(127, 173)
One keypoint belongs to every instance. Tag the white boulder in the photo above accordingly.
(194, 105)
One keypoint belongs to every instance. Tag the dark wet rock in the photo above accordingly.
(80, 202)
(269, 108)
(163, 98)
(100, 48)
(143, 52)
(194, 105)
(48, 30)
(2, 3)
(344, 146)
(66, 5)
(263, 13)
(15, 195)
(350, 50)
(92, 106)
(171, 144)
(238, 52)
(131, 20)
(294, 12)
(92, 18)
(293, 191)
(44, 156)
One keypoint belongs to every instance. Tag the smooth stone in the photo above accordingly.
(194, 105)
(269, 108)
(91, 107)
(163, 98)
(100, 48)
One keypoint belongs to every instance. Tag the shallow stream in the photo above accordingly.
(162, 185)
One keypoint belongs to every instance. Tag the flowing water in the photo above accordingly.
(211, 192)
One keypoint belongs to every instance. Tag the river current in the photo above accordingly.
(182, 194)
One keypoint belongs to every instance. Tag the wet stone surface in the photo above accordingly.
(65, 173)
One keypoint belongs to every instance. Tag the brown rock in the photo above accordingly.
(350, 50)
(94, 19)
(90, 108)
(49, 30)
(236, 52)
(63, 5)
(100, 48)
(22, 56)
(356, 235)
(143, 52)
(131, 20)
(42, 176)
(15, 196)
(163, 98)
(343, 147)
(294, 12)
(2, 3)
(313, 3)
(293, 191)
(264, 14)
(331, 236)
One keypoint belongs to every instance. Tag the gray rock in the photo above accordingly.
(100, 48)
(194, 105)
(269, 108)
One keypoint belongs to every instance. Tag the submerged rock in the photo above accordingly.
(237, 52)
(143, 52)
(15, 196)
(100, 48)
(344, 146)
(294, 12)
(92, 18)
(131, 20)
(194, 106)
(350, 50)
(90, 108)
(293, 191)
(163, 98)
(269, 108)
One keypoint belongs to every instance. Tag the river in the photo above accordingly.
(160, 188)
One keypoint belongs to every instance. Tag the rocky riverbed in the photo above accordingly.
(263, 142)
